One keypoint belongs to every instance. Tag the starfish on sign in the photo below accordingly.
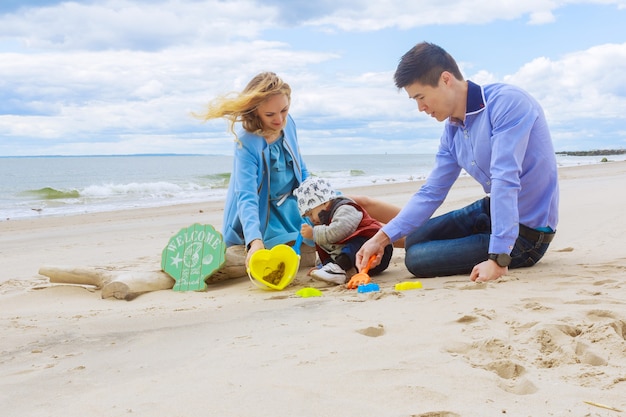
(176, 260)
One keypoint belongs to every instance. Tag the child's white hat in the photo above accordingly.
(313, 192)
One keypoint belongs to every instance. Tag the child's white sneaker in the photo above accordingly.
(331, 273)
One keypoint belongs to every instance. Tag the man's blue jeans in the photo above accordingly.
(453, 243)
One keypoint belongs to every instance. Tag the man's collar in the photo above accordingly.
(475, 99)
(475, 103)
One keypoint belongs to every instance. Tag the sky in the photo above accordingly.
(110, 77)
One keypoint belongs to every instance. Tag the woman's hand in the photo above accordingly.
(255, 245)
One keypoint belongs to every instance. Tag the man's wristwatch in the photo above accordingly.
(502, 259)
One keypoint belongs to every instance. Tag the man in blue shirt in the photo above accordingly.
(499, 135)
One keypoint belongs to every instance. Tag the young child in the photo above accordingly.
(340, 228)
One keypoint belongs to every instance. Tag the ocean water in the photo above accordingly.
(58, 186)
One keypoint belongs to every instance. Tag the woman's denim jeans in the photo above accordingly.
(453, 243)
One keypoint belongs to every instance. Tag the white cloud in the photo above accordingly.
(583, 84)
(117, 94)
(127, 24)
(583, 94)
(367, 15)
(541, 17)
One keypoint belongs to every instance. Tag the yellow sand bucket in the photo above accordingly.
(275, 268)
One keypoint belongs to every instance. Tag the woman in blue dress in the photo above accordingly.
(260, 210)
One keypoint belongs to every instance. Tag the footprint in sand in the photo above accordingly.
(605, 319)
(511, 377)
(587, 356)
(521, 386)
(510, 374)
(466, 319)
(600, 315)
(564, 344)
(373, 331)
(505, 369)
(478, 314)
(553, 341)
(494, 355)
(536, 306)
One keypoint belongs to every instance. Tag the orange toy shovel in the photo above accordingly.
(361, 278)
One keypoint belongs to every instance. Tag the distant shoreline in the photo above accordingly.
(596, 152)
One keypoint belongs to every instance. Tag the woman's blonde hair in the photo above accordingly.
(241, 107)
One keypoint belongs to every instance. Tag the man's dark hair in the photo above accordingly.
(424, 63)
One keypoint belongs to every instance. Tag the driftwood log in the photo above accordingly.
(127, 285)
(123, 285)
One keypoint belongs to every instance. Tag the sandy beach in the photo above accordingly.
(544, 341)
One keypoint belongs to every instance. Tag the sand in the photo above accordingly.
(544, 341)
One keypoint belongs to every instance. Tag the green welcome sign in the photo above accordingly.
(192, 254)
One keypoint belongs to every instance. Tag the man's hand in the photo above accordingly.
(374, 246)
(488, 271)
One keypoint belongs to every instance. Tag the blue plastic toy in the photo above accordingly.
(370, 287)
